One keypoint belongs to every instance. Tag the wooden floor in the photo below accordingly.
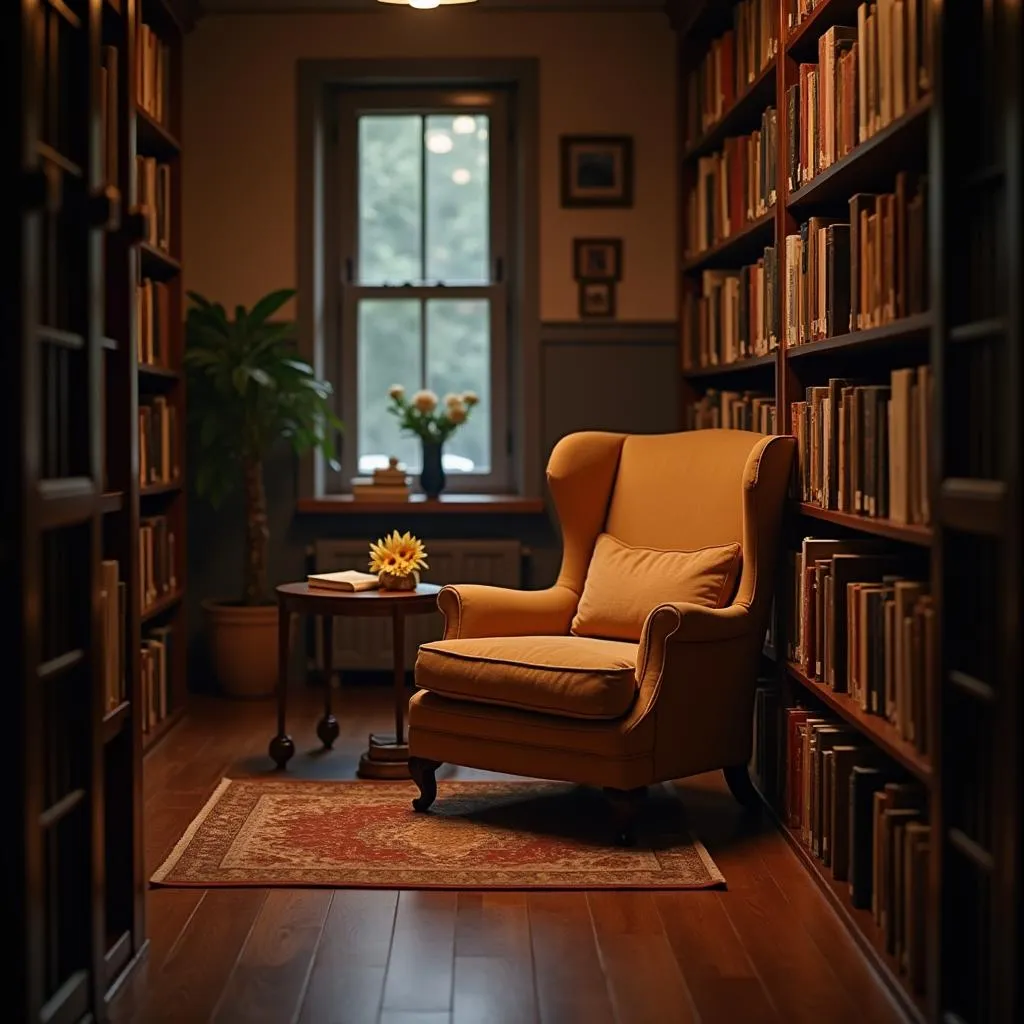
(768, 949)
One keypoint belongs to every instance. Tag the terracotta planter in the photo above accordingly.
(243, 643)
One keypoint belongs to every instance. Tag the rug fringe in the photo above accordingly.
(180, 846)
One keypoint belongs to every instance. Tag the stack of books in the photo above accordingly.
(389, 484)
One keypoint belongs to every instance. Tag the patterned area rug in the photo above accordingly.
(478, 835)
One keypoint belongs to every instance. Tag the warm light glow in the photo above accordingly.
(464, 125)
(461, 176)
(424, 5)
(439, 142)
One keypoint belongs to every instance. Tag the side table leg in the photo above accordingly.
(387, 757)
(281, 746)
(327, 727)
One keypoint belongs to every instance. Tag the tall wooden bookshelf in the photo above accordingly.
(76, 232)
(957, 311)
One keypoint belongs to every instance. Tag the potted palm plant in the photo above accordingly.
(247, 392)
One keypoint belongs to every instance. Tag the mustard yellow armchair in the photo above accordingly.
(639, 664)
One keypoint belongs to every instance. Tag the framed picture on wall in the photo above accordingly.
(597, 259)
(597, 170)
(597, 299)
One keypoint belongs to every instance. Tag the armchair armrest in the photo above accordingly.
(696, 672)
(475, 610)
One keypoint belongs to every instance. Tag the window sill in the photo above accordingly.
(447, 504)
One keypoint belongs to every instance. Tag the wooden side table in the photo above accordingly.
(387, 756)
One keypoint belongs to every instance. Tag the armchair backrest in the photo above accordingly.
(676, 492)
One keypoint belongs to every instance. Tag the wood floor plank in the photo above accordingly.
(644, 979)
(422, 962)
(719, 974)
(269, 979)
(168, 912)
(189, 985)
(568, 975)
(493, 960)
(346, 985)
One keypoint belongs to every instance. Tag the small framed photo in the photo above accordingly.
(597, 259)
(597, 170)
(597, 299)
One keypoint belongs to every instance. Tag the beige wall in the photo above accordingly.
(599, 73)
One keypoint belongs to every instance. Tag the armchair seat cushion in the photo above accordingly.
(565, 676)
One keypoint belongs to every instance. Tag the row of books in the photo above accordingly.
(735, 315)
(156, 669)
(159, 461)
(734, 187)
(113, 614)
(153, 74)
(153, 314)
(865, 448)
(868, 826)
(866, 77)
(153, 182)
(109, 108)
(867, 271)
(862, 623)
(157, 576)
(737, 410)
(732, 62)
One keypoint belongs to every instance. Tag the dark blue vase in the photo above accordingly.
(432, 479)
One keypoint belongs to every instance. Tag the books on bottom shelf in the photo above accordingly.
(113, 614)
(862, 622)
(852, 810)
(156, 668)
(739, 410)
(156, 560)
(864, 448)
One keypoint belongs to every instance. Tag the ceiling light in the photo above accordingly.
(439, 142)
(461, 176)
(464, 125)
(425, 5)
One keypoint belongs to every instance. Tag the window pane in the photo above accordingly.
(458, 360)
(458, 192)
(390, 168)
(389, 353)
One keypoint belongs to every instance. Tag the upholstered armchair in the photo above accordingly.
(639, 664)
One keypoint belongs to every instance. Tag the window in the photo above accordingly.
(422, 190)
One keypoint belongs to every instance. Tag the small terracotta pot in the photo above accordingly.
(390, 581)
(243, 644)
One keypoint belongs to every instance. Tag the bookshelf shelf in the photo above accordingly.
(908, 533)
(978, 330)
(156, 263)
(112, 501)
(742, 116)
(166, 373)
(910, 329)
(802, 43)
(738, 367)
(871, 165)
(158, 490)
(742, 244)
(153, 138)
(877, 729)
(166, 604)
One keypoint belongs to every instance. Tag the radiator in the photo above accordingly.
(365, 644)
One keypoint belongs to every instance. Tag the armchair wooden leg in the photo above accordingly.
(625, 804)
(737, 778)
(422, 772)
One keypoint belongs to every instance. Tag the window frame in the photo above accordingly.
(342, 206)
